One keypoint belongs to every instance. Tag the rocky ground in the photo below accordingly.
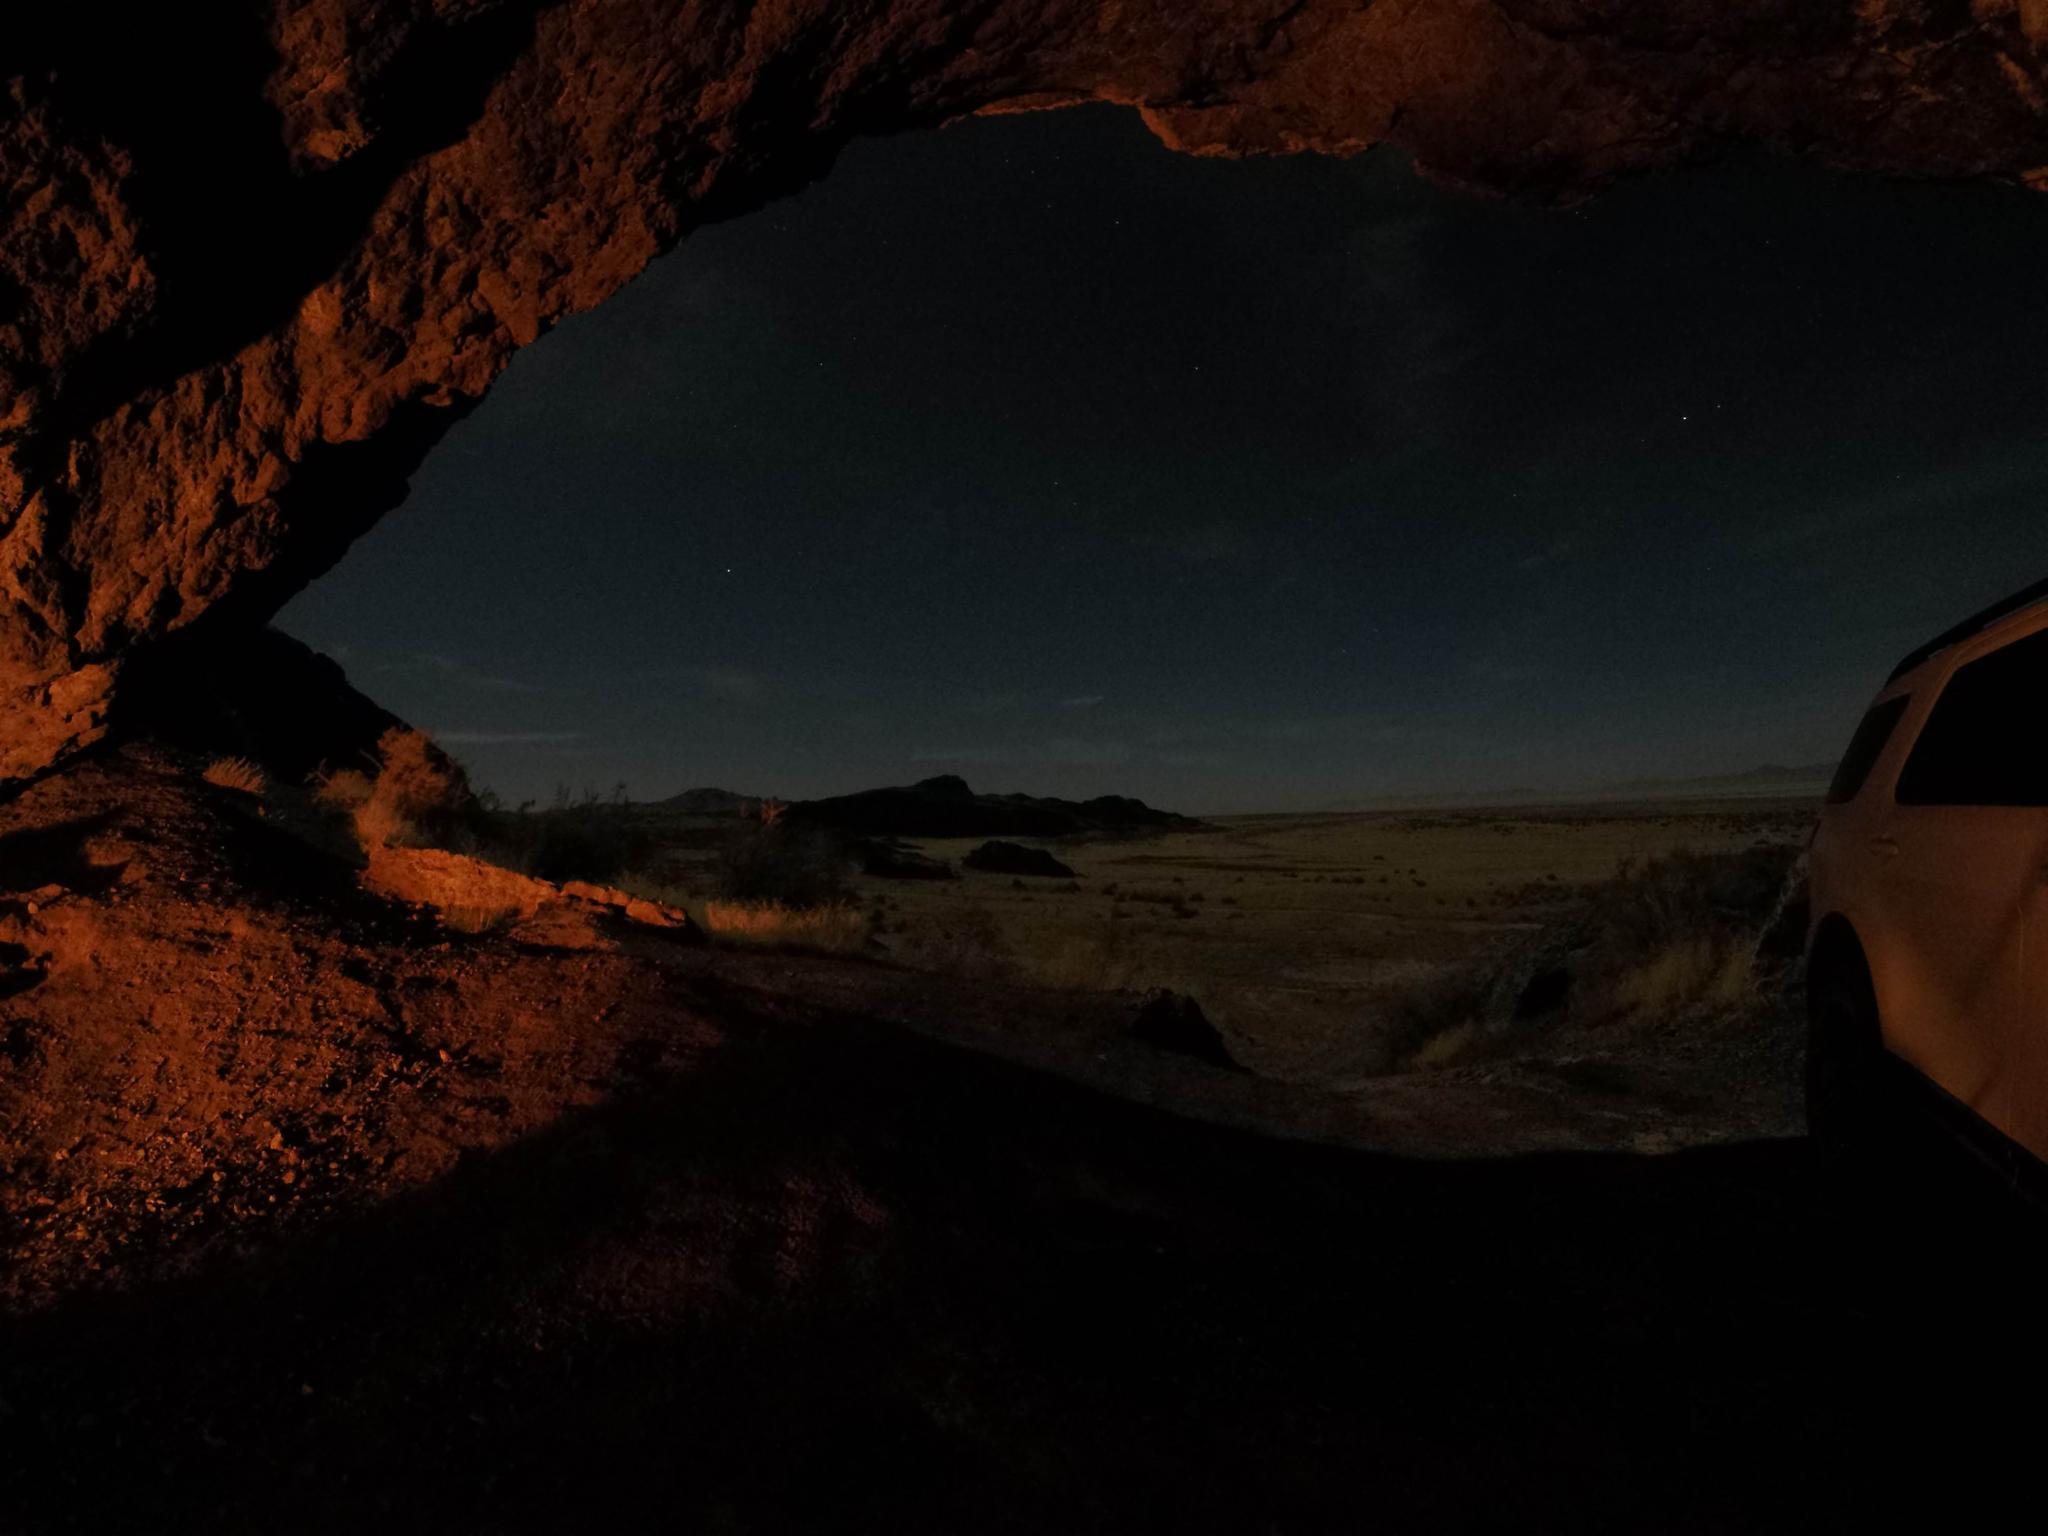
(318, 1214)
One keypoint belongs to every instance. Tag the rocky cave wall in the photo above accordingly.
(254, 261)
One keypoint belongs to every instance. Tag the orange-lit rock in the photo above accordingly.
(240, 298)
(472, 895)
(454, 884)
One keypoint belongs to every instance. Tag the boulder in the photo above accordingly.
(1173, 1021)
(888, 860)
(998, 858)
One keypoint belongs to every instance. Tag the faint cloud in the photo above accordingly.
(733, 683)
(1062, 751)
(504, 738)
(1082, 701)
(1074, 753)
(453, 669)
(964, 755)
(1328, 730)
(730, 683)
(1536, 560)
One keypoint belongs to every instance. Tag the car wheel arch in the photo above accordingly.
(1838, 949)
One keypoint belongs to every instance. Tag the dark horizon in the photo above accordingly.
(1233, 486)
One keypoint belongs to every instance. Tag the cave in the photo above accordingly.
(351, 1179)
(244, 299)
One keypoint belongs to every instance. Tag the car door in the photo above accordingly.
(1961, 858)
(2023, 1104)
(2023, 1110)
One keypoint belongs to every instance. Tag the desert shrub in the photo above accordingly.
(831, 929)
(1685, 936)
(1685, 893)
(1684, 933)
(786, 864)
(418, 797)
(595, 842)
(380, 824)
(421, 786)
(346, 793)
(345, 788)
(236, 773)
(1428, 1014)
(1698, 972)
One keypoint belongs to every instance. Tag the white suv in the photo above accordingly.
(1929, 937)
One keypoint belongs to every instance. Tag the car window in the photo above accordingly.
(1864, 749)
(1982, 741)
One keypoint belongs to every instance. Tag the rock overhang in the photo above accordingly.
(253, 265)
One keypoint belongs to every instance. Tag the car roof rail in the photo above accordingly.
(2026, 597)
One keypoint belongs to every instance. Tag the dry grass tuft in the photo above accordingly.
(379, 824)
(1114, 956)
(1695, 973)
(344, 789)
(967, 940)
(1445, 1047)
(236, 773)
(475, 918)
(1081, 962)
(831, 929)
(1682, 935)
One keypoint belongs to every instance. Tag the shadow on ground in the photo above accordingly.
(58, 855)
(838, 1277)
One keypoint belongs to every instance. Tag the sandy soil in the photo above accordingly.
(319, 1216)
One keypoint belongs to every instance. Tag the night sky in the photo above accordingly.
(1032, 452)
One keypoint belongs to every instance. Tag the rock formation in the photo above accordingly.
(1000, 858)
(1173, 1021)
(256, 256)
(946, 807)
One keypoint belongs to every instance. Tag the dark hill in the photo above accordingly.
(709, 802)
(947, 807)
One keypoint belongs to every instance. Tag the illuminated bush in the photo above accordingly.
(236, 773)
(835, 929)
(418, 796)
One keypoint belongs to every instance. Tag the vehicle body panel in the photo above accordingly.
(1950, 907)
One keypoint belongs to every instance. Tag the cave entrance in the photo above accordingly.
(1032, 456)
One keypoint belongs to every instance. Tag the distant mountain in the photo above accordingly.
(946, 807)
(709, 802)
(1767, 779)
